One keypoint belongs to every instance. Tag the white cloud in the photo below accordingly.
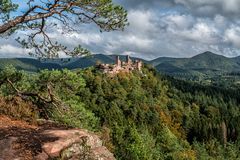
(141, 21)
(179, 21)
(85, 38)
(232, 6)
(212, 7)
(201, 32)
(232, 35)
(8, 50)
(179, 28)
(220, 21)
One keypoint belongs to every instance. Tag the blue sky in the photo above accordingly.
(175, 28)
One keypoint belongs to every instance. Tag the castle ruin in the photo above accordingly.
(121, 66)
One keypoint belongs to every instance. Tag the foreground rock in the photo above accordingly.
(21, 141)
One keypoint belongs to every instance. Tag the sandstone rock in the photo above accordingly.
(39, 143)
(75, 144)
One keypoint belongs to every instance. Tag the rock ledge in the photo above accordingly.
(20, 141)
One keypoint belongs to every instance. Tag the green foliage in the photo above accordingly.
(134, 106)
(64, 83)
(142, 115)
(6, 6)
(206, 69)
(9, 73)
(214, 150)
(76, 116)
(129, 104)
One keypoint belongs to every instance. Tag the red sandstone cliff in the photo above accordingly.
(21, 141)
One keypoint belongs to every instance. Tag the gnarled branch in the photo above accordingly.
(69, 13)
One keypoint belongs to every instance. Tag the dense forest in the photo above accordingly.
(138, 115)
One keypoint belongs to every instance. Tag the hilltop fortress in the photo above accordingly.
(121, 66)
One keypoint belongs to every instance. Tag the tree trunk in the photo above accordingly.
(224, 133)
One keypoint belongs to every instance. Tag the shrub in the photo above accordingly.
(76, 115)
(18, 108)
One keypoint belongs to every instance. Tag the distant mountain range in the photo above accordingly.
(203, 64)
(33, 65)
(206, 62)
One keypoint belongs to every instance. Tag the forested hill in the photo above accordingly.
(139, 115)
(203, 63)
(206, 68)
(34, 65)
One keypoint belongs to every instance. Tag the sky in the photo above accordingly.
(158, 28)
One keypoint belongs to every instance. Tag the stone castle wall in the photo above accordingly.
(121, 66)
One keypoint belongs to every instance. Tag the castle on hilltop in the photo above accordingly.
(121, 66)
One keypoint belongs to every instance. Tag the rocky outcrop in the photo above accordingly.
(22, 142)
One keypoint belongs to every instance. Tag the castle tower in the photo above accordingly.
(139, 65)
(118, 61)
(128, 60)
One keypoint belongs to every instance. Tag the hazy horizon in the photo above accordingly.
(136, 56)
